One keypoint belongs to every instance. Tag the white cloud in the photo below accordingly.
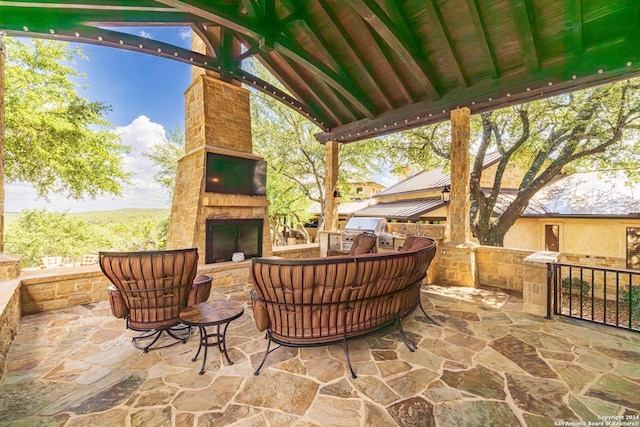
(185, 33)
(145, 192)
(145, 34)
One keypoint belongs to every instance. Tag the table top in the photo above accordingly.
(211, 313)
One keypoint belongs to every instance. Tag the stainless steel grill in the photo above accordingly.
(359, 225)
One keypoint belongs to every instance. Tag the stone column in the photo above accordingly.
(330, 207)
(460, 203)
(2, 59)
(457, 264)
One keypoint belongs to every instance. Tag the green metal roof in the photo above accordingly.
(360, 68)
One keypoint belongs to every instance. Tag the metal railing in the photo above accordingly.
(599, 295)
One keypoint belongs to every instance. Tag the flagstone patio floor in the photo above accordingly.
(483, 363)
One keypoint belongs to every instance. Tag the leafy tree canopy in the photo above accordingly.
(165, 154)
(590, 130)
(55, 139)
(286, 140)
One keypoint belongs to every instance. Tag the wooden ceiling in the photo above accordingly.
(361, 68)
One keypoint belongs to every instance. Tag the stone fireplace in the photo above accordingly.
(218, 121)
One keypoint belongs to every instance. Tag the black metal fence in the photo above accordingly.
(599, 295)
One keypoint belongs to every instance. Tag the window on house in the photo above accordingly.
(358, 190)
(552, 237)
(633, 248)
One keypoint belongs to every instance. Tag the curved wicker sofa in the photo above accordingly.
(319, 301)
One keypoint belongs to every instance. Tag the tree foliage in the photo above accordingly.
(55, 139)
(589, 130)
(286, 140)
(39, 233)
(165, 154)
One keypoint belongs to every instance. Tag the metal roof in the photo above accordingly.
(591, 194)
(429, 180)
(360, 68)
(406, 209)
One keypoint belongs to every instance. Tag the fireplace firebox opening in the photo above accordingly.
(228, 236)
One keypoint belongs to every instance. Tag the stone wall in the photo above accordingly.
(63, 287)
(311, 250)
(9, 317)
(501, 267)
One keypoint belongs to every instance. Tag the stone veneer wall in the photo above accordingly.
(501, 267)
(10, 309)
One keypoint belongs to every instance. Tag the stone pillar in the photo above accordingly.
(460, 204)
(2, 59)
(331, 186)
(457, 265)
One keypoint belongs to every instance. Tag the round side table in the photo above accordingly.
(212, 313)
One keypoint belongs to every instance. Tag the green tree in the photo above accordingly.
(286, 141)
(55, 139)
(589, 130)
(165, 153)
(38, 233)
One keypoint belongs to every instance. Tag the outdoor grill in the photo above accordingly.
(359, 225)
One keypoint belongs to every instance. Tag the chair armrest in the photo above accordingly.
(119, 308)
(200, 290)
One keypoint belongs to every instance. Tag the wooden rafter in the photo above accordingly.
(441, 28)
(483, 38)
(278, 74)
(577, 26)
(526, 34)
(378, 20)
(347, 43)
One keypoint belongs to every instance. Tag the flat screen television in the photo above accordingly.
(235, 175)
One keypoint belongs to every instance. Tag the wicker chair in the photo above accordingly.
(151, 288)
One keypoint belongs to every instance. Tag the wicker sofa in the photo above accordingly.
(320, 301)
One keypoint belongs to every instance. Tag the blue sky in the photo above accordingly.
(146, 94)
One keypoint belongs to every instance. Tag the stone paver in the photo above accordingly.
(483, 363)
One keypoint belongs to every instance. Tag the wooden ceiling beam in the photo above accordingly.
(86, 7)
(526, 33)
(577, 27)
(440, 27)
(348, 44)
(483, 38)
(388, 30)
(279, 75)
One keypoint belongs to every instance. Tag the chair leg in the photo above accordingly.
(426, 315)
(179, 333)
(345, 346)
(408, 343)
(266, 353)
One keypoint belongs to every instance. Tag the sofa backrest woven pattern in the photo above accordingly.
(154, 285)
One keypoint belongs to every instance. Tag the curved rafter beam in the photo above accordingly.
(109, 38)
(283, 45)
(404, 46)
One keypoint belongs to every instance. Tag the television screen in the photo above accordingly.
(235, 175)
